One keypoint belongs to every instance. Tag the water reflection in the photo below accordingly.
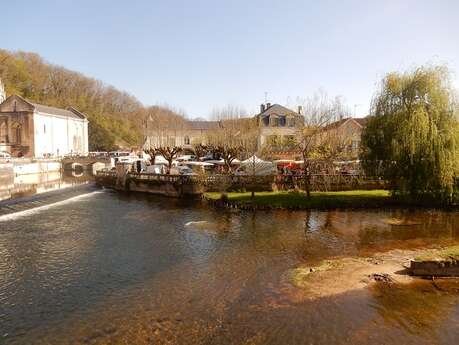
(119, 268)
(15, 186)
(338, 233)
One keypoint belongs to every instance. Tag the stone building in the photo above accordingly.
(33, 130)
(185, 133)
(278, 125)
(275, 124)
(348, 132)
(2, 92)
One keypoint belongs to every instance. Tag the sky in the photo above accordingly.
(196, 55)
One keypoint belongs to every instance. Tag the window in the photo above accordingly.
(3, 133)
(16, 133)
(291, 121)
(266, 121)
(355, 145)
(186, 140)
(282, 121)
(274, 121)
(171, 141)
(289, 141)
(273, 140)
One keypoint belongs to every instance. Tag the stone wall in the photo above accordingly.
(442, 268)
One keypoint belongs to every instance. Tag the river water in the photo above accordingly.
(97, 267)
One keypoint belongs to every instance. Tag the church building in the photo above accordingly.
(33, 130)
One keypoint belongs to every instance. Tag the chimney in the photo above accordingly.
(300, 110)
(262, 108)
(268, 105)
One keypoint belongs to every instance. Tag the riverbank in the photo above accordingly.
(340, 275)
(299, 200)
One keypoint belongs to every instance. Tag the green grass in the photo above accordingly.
(443, 254)
(318, 200)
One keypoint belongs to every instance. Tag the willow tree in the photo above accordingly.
(413, 136)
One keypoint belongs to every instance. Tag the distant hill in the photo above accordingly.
(116, 118)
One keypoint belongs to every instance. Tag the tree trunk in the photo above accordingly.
(307, 177)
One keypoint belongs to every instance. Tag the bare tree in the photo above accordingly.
(169, 154)
(317, 140)
(234, 135)
(152, 152)
(163, 126)
(227, 153)
(228, 112)
(200, 150)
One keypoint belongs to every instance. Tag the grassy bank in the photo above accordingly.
(318, 200)
(450, 253)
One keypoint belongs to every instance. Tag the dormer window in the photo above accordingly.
(282, 121)
(274, 120)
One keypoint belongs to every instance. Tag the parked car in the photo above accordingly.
(4, 155)
(184, 170)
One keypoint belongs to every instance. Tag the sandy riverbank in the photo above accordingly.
(341, 275)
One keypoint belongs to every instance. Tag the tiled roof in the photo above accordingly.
(278, 110)
(203, 125)
(57, 111)
(361, 121)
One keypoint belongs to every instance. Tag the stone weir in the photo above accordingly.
(177, 186)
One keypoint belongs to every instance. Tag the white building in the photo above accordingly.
(34, 130)
(2, 92)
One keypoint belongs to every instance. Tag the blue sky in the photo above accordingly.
(198, 54)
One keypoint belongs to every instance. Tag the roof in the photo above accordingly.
(278, 110)
(360, 121)
(203, 125)
(57, 111)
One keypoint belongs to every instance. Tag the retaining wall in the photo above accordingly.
(443, 268)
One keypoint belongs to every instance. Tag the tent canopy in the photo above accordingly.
(160, 160)
(252, 160)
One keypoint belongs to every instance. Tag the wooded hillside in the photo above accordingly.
(116, 118)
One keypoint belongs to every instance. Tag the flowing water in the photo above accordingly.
(98, 267)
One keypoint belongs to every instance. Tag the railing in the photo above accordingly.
(153, 177)
(318, 182)
(165, 177)
(327, 182)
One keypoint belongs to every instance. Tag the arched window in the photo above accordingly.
(3, 133)
(186, 140)
(16, 133)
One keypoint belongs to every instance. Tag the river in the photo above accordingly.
(96, 267)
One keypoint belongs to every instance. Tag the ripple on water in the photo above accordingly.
(131, 269)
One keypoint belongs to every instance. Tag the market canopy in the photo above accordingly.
(222, 161)
(257, 166)
(252, 160)
(160, 160)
